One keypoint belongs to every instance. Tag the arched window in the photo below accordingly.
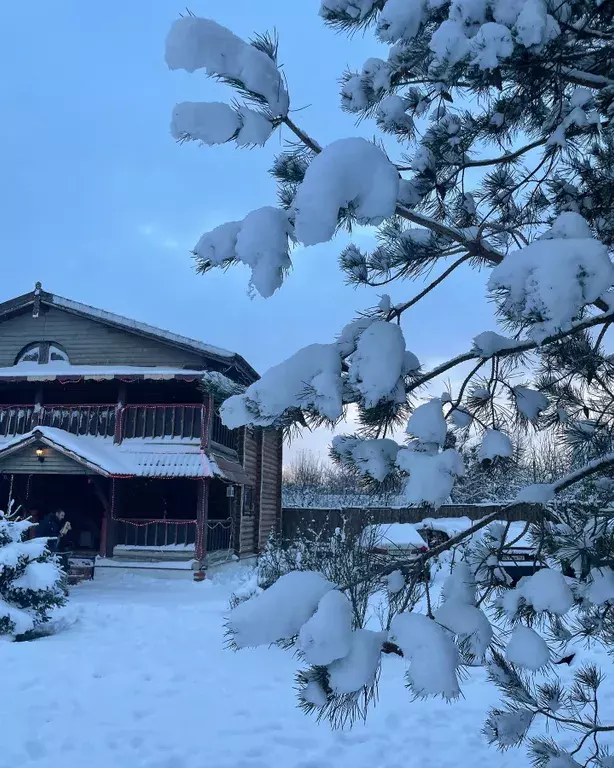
(42, 352)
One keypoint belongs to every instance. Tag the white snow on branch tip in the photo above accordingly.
(600, 587)
(327, 635)
(427, 423)
(349, 172)
(210, 122)
(395, 582)
(280, 611)
(492, 43)
(378, 364)
(374, 457)
(530, 402)
(195, 43)
(355, 9)
(546, 590)
(460, 586)
(527, 649)
(400, 20)
(216, 123)
(468, 623)
(432, 655)
(552, 280)
(260, 241)
(309, 378)
(495, 443)
(430, 476)
(360, 667)
(488, 343)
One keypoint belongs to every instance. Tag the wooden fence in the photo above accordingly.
(295, 520)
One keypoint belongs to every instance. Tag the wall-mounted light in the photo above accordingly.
(40, 454)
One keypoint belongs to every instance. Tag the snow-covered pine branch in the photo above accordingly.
(31, 581)
(535, 80)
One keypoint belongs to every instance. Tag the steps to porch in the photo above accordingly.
(80, 569)
(171, 553)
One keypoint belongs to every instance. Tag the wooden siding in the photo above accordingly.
(246, 543)
(270, 494)
(26, 462)
(88, 342)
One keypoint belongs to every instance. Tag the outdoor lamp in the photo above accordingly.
(40, 454)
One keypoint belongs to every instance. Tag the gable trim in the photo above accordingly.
(38, 438)
(40, 297)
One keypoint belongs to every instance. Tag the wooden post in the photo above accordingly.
(119, 412)
(202, 515)
(37, 416)
(107, 530)
(258, 489)
(107, 541)
(206, 420)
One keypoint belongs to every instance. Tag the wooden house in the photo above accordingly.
(117, 423)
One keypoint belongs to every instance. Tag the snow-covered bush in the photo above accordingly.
(348, 556)
(32, 583)
(495, 154)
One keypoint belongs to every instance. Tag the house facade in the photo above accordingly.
(117, 423)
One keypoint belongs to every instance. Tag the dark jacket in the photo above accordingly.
(49, 526)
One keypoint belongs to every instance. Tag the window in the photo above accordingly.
(248, 500)
(42, 352)
(29, 355)
(57, 354)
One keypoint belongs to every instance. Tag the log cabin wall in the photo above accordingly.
(88, 342)
(249, 455)
(270, 494)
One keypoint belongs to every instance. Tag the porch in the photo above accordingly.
(118, 422)
(165, 518)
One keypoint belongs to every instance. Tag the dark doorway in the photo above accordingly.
(75, 494)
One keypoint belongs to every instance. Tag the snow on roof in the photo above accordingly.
(63, 370)
(59, 369)
(399, 535)
(452, 526)
(136, 325)
(518, 532)
(132, 458)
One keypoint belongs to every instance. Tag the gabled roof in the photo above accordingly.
(232, 359)
(103, 456)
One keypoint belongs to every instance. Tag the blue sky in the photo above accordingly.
(102, 206)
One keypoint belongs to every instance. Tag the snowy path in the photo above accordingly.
(143, 679)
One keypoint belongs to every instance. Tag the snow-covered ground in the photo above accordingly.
(142, 678)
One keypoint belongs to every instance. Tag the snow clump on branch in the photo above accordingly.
(194, 43)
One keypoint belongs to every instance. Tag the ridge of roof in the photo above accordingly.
(53, 299)
(137, 325)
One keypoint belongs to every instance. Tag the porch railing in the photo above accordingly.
(175, 422)
(221, 434)
(16, 419)
(97, 420)
(220, 535)
(169, 421)
(173, 534)
(168, 534)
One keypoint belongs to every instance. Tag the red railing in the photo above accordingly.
(164, 421)
(155, 533)
(16, 419)
(97, 420)
(173, 534)
(178, 421)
